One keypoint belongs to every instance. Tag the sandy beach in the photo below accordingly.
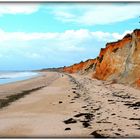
(60, 105)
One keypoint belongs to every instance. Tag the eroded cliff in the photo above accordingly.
(118, 61)
(81, 67)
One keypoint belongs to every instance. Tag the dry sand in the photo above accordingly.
(65, 105)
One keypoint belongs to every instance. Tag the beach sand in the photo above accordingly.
(61, 105)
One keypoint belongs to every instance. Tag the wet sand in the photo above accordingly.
(62, 105)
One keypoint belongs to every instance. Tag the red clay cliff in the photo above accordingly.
(118, 61)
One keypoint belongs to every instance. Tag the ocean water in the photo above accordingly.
(9, 77)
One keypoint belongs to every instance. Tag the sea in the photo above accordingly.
(14, 76)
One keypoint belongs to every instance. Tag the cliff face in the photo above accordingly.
(81, 67)
(111, 60)
(118, 61)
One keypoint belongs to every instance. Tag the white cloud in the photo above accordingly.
(64, 15)
(97, 14)
(68, 35)
(120, 36)
(23, 36)
(106, 36)
(52, 49)
(16, 8)
(72, 43)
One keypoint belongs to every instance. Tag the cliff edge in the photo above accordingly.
(118, 61)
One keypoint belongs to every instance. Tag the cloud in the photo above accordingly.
(16, 8)
(64, 15)
(68, 35)
(23, 36)
(106, 36)
(97, 14)
(38, 50)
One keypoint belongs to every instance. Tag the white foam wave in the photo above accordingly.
(9, 75)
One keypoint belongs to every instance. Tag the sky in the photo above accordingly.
(43, 35)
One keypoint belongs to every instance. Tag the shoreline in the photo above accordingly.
(18, 79)
(71, 106)
(58, 96)
(6, 100)
(19, 86)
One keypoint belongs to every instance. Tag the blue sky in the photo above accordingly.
(41, 35)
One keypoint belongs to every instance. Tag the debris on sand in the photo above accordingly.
(68, 128)
(97, 135)
(71, 120)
